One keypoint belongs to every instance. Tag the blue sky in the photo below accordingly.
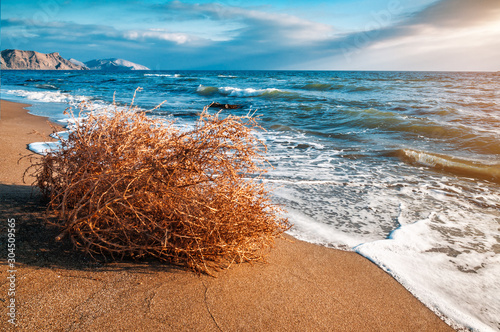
(237, 34)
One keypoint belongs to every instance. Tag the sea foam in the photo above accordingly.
(48, 96)
(43, 148)
(414, 254)
(242, 92)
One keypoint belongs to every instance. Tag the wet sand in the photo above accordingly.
(302, 287)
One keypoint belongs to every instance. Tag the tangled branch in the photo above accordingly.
(124, 184)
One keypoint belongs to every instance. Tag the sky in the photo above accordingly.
(433, 35)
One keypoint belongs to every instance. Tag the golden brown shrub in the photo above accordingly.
(124, 184)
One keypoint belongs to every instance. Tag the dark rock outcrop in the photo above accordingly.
(224, 106)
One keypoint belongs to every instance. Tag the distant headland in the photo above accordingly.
(31, 60)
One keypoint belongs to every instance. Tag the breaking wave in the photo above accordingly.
(247, 92)
(321, 86)
(450, 164)
(47, 96)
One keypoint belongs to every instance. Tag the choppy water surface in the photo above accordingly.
(402, 167)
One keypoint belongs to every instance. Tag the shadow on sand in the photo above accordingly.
(35, 239)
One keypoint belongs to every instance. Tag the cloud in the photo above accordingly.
(58, 30)
(445, 17)
(458, 13)
(155, 34)
(177, 36)
(155, 48)
(261, 39)
(256, 24)
(69, 31)
(447, 35)
(276, 39)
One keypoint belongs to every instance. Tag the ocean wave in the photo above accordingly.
(207, 90)
(251, 92)
(451, 164)
(372, 118)
(322, 86)
(48, 96)
(247, 92)
(465, 135)
(167, 75)
(362, 88)
(46, 86)
(159, 75)
(280, 127)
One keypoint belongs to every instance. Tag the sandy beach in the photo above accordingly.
(302, 287)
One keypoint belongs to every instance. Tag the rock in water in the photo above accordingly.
(224, 106)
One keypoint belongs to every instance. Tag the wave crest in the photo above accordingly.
(47, 96)
(450, 164)
(247, 92)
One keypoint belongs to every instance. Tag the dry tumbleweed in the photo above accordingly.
(128, 185)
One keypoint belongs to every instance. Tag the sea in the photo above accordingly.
(400, 167)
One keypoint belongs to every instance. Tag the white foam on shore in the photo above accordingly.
(309, 230)
(461, 285)
(43, 148)
(438, 236)
(443, 249)
(48, 96)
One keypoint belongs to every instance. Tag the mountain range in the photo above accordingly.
(112, 65)
(31, 60)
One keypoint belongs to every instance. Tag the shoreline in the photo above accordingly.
(303, 287)
(17, 130)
